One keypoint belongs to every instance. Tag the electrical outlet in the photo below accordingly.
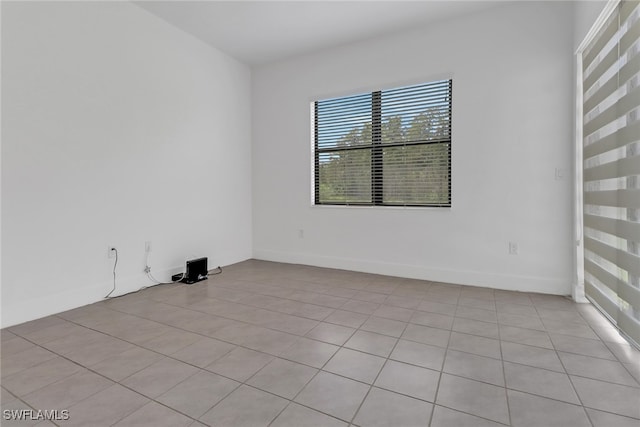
(147, 246)
(561, 174)
(513, 248)
(111, 251)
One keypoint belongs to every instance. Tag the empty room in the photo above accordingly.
(320, 213)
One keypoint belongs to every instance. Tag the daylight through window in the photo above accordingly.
(386, 148)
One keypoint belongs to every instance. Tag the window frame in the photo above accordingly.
(377, 159)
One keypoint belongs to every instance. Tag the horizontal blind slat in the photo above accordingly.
(428, 87)
(601, 94)
(620, 168)
(604, 118)
(617, 198)
(331, 148)
(629, 326)
(630, 36)
(629, 69)
(606, 278)
(629, 293)
(600, 41)
(626, 9)
(619, 108)
(363, 97)
(623, 259)
(617, 227)
(603, 301)
(600, 69)
(617, 139)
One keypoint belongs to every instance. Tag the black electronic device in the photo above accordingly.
(197, 270)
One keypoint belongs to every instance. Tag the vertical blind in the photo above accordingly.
(611, 170)
(385, 148)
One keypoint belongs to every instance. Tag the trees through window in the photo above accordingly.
(386, 148)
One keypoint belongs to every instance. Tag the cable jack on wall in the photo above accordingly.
(147, 270)
(113, 253)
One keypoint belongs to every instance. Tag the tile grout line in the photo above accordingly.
(398, 338)
(573, 387)
(318, 370)
(355, 414)
(152, 399)
(109, 379)
(619, 360)
(563, 367)
(442, 372)
(504, 378)
(444, 361)
(331, 358)
(240, 383)
(472, 379)
(18, 398)
(205, 336)
(340, 347)
(321, 369)
(352, 379)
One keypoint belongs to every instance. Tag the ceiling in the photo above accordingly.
(258, 32)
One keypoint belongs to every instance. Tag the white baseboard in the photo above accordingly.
(14, 314)
(52, 304)
(545, 285)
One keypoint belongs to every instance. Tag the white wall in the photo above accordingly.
(117, 129)
(512, 127)
(585, 14)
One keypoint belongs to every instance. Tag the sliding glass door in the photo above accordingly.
(611, 167)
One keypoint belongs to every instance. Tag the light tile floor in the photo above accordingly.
(284, 345)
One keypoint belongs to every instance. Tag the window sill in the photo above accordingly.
(384, 208)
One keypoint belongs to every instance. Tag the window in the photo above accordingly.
(385, 148)
(610, 65)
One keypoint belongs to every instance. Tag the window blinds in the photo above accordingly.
(385, 148)
(611, 170)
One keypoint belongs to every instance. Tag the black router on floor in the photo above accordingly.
(196, 270)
